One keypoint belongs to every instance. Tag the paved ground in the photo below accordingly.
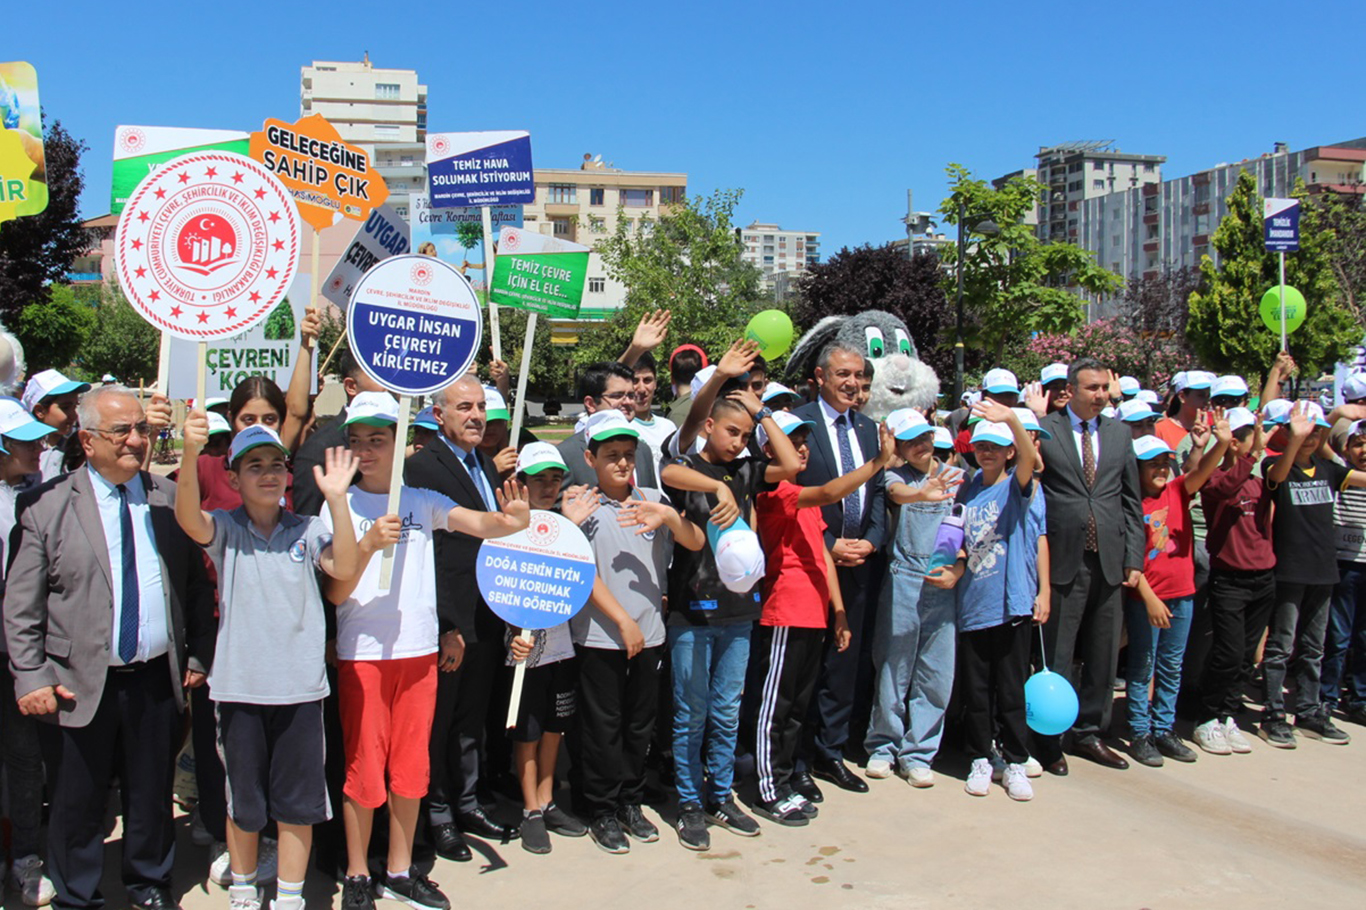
(1270, 829)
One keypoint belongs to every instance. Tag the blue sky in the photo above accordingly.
(824, 113)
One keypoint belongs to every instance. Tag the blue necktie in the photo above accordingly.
(477, 475)
(853, 511)
(128, 616)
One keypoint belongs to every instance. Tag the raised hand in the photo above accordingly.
(158, 411)
(1285, 364)
(644, 515)
(887, 445)
(1035, 398)
(942, 484)
(579, 503)
(196, 432)
(651, 330)
(1223, 433)
(311, 327)
(988, 409)
(512, 499)
(335, 474)
(747, 400)
(737, 361)
(1200, 429)
(1300, 425)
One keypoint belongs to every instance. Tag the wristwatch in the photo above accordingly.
(763, 412)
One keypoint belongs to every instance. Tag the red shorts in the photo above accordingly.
(387, 708)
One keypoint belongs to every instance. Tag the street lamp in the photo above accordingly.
(988, 228)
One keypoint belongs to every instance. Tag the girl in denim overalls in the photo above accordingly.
(913, 644)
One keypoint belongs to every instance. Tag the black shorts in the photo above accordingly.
(548, 694)
(273, 759)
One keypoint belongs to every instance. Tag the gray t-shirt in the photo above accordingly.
(271, 633)
(635, 568)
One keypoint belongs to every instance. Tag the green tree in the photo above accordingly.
(1225, 327)
(687, 262)
(121, 343)
(54, 330)
(1345, 215)
(280, 322)
(37, 250)
(469, 233)
(331, 330)
(551, 365)
(1013, 282)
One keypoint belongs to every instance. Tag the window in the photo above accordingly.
(1114, 240)
(1097, 165)
(597, 285)
(597, 195)
(1074, 167)
(672, 195)
(1148, 168)
(561, 194)
(637, 199)
(768, 259)
(562, 227)
(1075, 185)
(597, 225)
(1097, 184)
(401, 211)
(526, 218)
(386, 91)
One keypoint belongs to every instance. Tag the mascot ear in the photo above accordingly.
(801, 363)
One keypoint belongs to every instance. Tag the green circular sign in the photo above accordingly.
(1294, 309)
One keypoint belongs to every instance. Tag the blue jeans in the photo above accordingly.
(1344, 647)
(913, 657)
(1155, 652)
(709, 665)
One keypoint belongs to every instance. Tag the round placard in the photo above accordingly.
(539, 577)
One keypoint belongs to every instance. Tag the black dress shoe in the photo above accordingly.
(477, 821)
(839, 774)
(153, 899)
(1099, 753)
(1057, 768)
(803, 784)
(450, 843)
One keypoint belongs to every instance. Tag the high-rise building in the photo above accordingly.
(775, 252)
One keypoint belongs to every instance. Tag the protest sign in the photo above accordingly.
(456, 235)
(536, 579)
(1281, 225)
(139, 150)
(383, 234)
(269, 348)
(481, 168)
(23, 169)
(326, 176)
(539, 273)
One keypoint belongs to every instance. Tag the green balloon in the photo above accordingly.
(772, 330)
(1294, 309)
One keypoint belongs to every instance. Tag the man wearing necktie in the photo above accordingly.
(471, 635)
(843, 440)
(109, 619)
(1095, 538)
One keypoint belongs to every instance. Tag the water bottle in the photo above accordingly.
(949, 539)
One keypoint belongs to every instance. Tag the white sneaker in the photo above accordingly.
(32, 883)
(1210, 737)
(220, 867)
(1032, 768)
(1017, 784)
(878, 769)
(244, 897)
(1236, 740)
(919, 777)
(979, 778)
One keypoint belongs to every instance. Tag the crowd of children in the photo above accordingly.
(717, 600)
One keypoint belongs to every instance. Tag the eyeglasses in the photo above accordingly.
(118, 434)
(614, 397)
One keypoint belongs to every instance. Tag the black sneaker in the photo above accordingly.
(1277, 733)
(1144, 751)
(1320, 726)
(637, 825)
(607, 834)
(692, 827)
(415, 890)
(358, 893)
(1356, 715)
(535, 837)
(730, 816)
(1170, 745)
(785, 811)
(562, 823)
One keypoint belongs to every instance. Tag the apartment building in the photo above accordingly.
(777, 252)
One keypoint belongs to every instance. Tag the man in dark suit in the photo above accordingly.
(471, 635)
(1095, 542)
(108, 619)
(842, 440)
(606, 385)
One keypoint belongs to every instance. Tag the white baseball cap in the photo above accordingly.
(218, 424)
(536, 457)
(1031, 422)
(943, 439)
(787, 422)
(1314, 411)
(1149, 396)
(1354, 387)
(1136, 410)
(739, 559)
(375, 409)
(426, 418)
(1146, 447)
(1239, 417)
(700, 378)
(1358, 428)
(908, 423)
(1109, 411)
(1228, 385)
(50, 382)
(1192, 379)
(988, 431)
(1052, 373)
(999, 381)
(1276, 411)
(607, 423)
(495, 405)
(253, 437)
(777, 390)
(17, 423)
(1128, 386)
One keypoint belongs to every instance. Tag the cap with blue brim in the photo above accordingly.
(1030, 421)
(18, 424)
(1149, 447)
(908, 423)
(253, 437)
(990, 431)
(1137, 411)
(426, 419)
(943, 439)
(776, 390)
(788, 423)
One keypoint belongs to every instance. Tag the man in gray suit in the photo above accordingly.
(109, 619)
(1095, 544)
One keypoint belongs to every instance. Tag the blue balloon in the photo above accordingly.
(1050, 703)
